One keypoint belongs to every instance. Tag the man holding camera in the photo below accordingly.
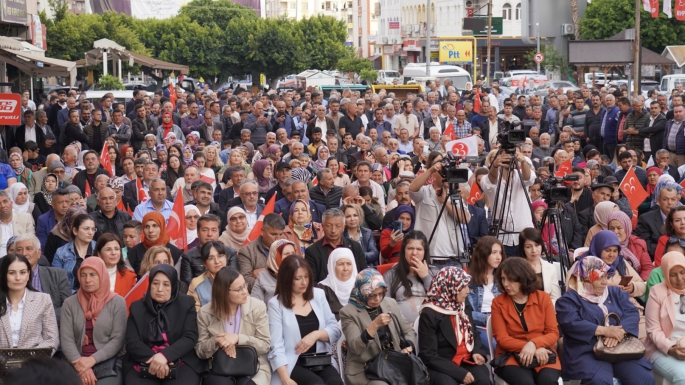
(429, 200)
(517, 215)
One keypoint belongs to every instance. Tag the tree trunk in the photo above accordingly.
(575, 18)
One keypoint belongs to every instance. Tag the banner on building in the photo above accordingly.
(13, 11)
(10, 109)
(456, 52)
(667, 8)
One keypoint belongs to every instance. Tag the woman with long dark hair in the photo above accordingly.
(409, 280)
(121, 279)
(530, 248)
(174, 170)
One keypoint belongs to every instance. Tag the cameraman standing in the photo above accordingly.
(517, 216)
(429, 200)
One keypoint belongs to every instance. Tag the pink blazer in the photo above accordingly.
(659, 319)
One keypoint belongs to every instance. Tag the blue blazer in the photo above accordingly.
(611, 125)
(285, 332)
(578, 319)
(368, 245)
(478, 225)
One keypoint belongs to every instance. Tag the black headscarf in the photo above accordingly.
(160, 323)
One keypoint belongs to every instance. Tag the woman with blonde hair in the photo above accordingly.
(236, 158)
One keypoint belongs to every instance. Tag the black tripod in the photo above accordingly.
(551, 221)
(454, 197)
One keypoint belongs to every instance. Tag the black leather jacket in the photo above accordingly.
(191, 263)
(104, 224)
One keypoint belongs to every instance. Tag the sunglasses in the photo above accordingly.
(672, 240)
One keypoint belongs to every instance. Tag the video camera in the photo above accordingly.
(552, 192)
(510, 136)
(450, 172)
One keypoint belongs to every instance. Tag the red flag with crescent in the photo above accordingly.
(176, 226)
(138, 291)
(476, 101)
(476, 194)
(172, 95)
(633, 190)
(257, 229)
(104, 158)
(88, 191)
(142, 195)
(654, 4)
(464, 147)
(564, 169)
(449, 131)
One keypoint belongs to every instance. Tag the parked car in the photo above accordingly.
(543, 88)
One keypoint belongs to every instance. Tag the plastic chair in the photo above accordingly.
(383, 268)
(341, 368)
(498, 380)
(578, 252)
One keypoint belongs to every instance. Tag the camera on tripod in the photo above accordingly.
(552, 192)
(450, 172)
(509, 136)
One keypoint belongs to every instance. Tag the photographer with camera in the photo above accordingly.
(517, 215)
(429, 200)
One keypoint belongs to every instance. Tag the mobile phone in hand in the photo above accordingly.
(397, 226)
(625, 280)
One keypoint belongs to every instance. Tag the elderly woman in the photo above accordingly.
(93, 326)
(523, 322)
(192, 215)
(664, 320)
(237, 230)
(369, 327)
(633, 248)
(602, 212)
(19, 195)
(265, 285)
(449, 342)
(338, 284)
(22, 173)
(581, 313)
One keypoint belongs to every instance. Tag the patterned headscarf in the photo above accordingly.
(586, 271)
(367, 281)
(442, 298)
(627, 254)
(48, 194)
(116, 183)
(602, 212)
(301, 173)
(273, 261)
(63, 228)
(304, 231)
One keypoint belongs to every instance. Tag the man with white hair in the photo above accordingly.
(364, 153)
(609, 126)
(434, 140)
(434, 120)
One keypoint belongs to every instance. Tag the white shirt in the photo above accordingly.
(322, 125)
(30, 134)
(486, 305)
(517, 217)
(251, 217)
(427, 209)
(377, 193)
(6, 232)
(112, 277)
(15, 319)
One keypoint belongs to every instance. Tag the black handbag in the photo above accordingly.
(245, 363)
(314, 361)
(173, 371)
(106, 368)
(395, 367)
(13, 358)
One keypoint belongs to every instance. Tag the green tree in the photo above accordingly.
(323, 41)
(554, 61)
(218, 13)
(355, 65)
(605, 18)
(110, 83)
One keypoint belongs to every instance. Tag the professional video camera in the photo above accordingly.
(450, 172)
(552, 192)
(510, 136)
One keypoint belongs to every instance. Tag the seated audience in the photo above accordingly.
(354, 217)
(523, 322)
(300, 222)
(192, 265)
(252, 257)
(601, 215)
(673, 229)
(214, 258)
(229, 320)
(338, 285)
(530, 248)
(154, 234)
(61, 233)
(300, 322)
(582, 313)
(93, 327)
(364, 339)
(161, 334)
(391, 237)
(633, 248)
(70, 256)
(265, 285)
(449, 342)
(237, 230)
(108, 248)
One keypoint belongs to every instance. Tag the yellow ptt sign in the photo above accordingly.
(456, 52)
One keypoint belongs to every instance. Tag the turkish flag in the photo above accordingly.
(142, 195)
(449, 131)
(476, 194)
(680, 10)
(172, 95)
(654, 5)
(88, 191)
(257, 229)
(564, 169)
(123, 207)
(315, 181)
(138, 291)
(633, 190)
(104, 158)
(176, 226)
(207, 179)
(476, 101)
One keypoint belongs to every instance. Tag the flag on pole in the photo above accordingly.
(450, 131)
(464, 147)
(137, 292)
(88, 191)
(667, 8)
(476, 101)
(680, 10)
(564, 169)
(172, 95)
(476, 194)
(654, 6)
(646, 4)
(123, 207)
(142, 195)
(104, 158)
(257, 229)
(176, 226)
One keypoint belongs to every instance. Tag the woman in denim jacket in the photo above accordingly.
(70, 256)
(487, 256)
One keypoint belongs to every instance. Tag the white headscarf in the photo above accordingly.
(191, 234)
(342, 289)
(15, 189)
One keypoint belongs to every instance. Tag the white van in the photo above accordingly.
(601, 79)
(668, 83)
(456, 74)
(387, 76)
(119, 96)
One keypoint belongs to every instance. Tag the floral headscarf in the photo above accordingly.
(442, 298)
(195, 137)
(48, 194)
(627, 254)
(600, 242)
(21, 168)
(586, 271)
(367, 281)
(183, 154)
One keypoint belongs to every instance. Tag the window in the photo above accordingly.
(350, 19)
(506, 11)
(328, 5)
(518, 11)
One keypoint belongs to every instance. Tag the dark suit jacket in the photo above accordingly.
(438, 342)
(649, 228)
(330, 125)
(53, 281)
(139, 131)
(478, 225)
(15, 138)
(317, 257)
(587, 220)
(485, 130)
(225, 196)
(181, 333)
(428, 124)
(202, 129)
(655, 133)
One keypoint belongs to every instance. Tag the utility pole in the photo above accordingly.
(428, 37)
(487, 69)
(537, 38)
(637, 49)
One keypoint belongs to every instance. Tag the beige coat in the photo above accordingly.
(354, 321)
(254, 331)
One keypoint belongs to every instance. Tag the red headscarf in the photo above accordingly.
(163, 236)
(124, 148)
(651, 187)
(93, 303)
(167, 126)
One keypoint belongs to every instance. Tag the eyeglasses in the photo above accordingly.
(672, 240)
(253, 193)
(241, 289)
(377, 296)
(215, 258)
